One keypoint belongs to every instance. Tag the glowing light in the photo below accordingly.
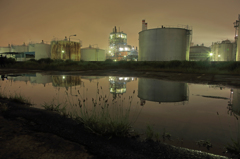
(126, 49)
(115, 60)
(63, 77)
(120, 49)
(62, 51)
(211, 54)
(125, 78)
(218, 55)
(120, 78)
(109, 51)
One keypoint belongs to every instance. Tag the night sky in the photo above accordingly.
(93, 20)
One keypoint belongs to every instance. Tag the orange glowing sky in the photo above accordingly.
(93, 20)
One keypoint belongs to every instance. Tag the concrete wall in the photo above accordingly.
(162, 91)
(164, 44)
(41, 50)
(65, 50)
(93, 54)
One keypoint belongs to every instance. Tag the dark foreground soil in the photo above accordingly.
(27, 132)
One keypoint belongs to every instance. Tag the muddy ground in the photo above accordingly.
(27, 132)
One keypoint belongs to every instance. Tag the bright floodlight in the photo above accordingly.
(218, 55)
(62, 51)
(120, 49)
(211, 54)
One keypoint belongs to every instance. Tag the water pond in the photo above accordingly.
(182, 114)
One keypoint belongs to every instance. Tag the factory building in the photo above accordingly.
(93, 54)
(223, 51)
(164, 44)
(162, 91)
(118, 47)
(199, 53)
(64, 50)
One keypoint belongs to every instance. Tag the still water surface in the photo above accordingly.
(189, 112)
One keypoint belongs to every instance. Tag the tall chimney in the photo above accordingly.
(143, 24)
(115, 29)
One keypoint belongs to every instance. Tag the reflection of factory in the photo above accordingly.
(234, 103)
(65, 80)
(118, 84)
(162, 91)
(32, 78)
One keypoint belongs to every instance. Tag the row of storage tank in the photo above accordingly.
(62, 49)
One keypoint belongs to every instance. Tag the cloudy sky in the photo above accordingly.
(93, 20)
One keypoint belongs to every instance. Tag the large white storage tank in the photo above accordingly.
(41, 50)
(164, 44)
(162, 91)
(93, 54)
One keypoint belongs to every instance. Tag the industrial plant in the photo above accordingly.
(118, 47)
(164, 43)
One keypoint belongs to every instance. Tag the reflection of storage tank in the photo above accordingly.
(164, 44)
(65, 80)
(236, 101)
(41, 50)
(162, 91)
(41, 79)
(65, 50)
(92, 54)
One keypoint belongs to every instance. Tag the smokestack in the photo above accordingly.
(115, 29)
(143, 24)
(42, 42)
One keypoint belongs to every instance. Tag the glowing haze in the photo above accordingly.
(93, 20)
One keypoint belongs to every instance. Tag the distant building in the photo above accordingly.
(199, 53)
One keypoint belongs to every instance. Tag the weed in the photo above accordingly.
(3, 107)
(234, 148)
(19, 99)
(204, 143)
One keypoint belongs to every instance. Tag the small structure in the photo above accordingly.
(93, 54)
(199, 53)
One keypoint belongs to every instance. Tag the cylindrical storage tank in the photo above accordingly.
(93, 54)
(162, 91)
(65, 50)
(164, 44)
(41, 50)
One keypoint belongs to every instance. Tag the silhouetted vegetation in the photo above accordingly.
(215, 67)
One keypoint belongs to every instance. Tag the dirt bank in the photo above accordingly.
(32, 133)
